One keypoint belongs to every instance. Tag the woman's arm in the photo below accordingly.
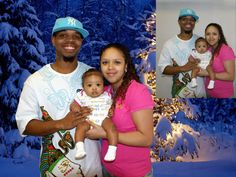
(229, 73)
(143, 121)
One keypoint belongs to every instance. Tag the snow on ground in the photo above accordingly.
(218, 168)
(215, 146)
(20, 168)
(217, 158)
(213, 161)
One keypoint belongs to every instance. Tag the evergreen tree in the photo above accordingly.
(217, 114)
(21, 53)
(180, 122)
(174, 136)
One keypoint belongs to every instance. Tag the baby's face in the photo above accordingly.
(201, 46)
(93, 85)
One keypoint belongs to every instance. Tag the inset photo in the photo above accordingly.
(196, 47)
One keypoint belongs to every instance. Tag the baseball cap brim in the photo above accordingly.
(69, 23)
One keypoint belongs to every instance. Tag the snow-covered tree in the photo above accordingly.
(15, 146)
(217, 114)
(146, 69)
(174, 136)
(21, 53)
(180, 124)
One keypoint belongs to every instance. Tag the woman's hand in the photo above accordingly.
(202, 73)
(95, 131)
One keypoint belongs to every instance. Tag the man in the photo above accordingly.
(43, 108)
(175, 58)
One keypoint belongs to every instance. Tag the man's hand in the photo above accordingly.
(194, 60)
(191, 64)
(73, 118)
(74, 106)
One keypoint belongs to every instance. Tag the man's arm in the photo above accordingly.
(41, 128)
(29, 122)
(172, 70)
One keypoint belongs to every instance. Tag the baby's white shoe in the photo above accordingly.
(193, 82)
(211, 84)
(80, 152)
(111, 153)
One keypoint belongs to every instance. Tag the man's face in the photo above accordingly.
(67, 44)
(186, 23)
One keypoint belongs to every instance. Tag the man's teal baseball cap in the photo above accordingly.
(188, 12)
(69, 23)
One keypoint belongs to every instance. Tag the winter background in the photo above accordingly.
(193, 137)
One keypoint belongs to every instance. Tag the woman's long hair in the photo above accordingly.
(128, 76)
(222, 38)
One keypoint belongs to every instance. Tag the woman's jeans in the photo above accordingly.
(106, 173)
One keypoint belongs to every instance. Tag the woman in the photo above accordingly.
(132, 115)
(222, 64)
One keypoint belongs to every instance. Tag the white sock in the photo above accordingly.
(193, 82)
(211, 84)
(80, 152)
(111, 153)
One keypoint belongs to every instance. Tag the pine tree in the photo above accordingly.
(217, 114)
(21, 52)
(174, 136)
(180, 122)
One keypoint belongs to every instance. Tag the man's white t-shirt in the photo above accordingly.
(54, 92)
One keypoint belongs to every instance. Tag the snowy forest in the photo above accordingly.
(184, 129)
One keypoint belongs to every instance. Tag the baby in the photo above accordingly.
(201, 52)
(94, 96)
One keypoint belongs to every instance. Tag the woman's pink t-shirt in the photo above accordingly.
(222, 89)
(131, 161)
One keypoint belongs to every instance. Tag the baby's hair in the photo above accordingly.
(91, 72)
(200, 39)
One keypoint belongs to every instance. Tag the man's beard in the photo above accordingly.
(68, 59)
(188, 31)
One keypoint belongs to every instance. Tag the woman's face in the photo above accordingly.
(212, 36)
(113, 66)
